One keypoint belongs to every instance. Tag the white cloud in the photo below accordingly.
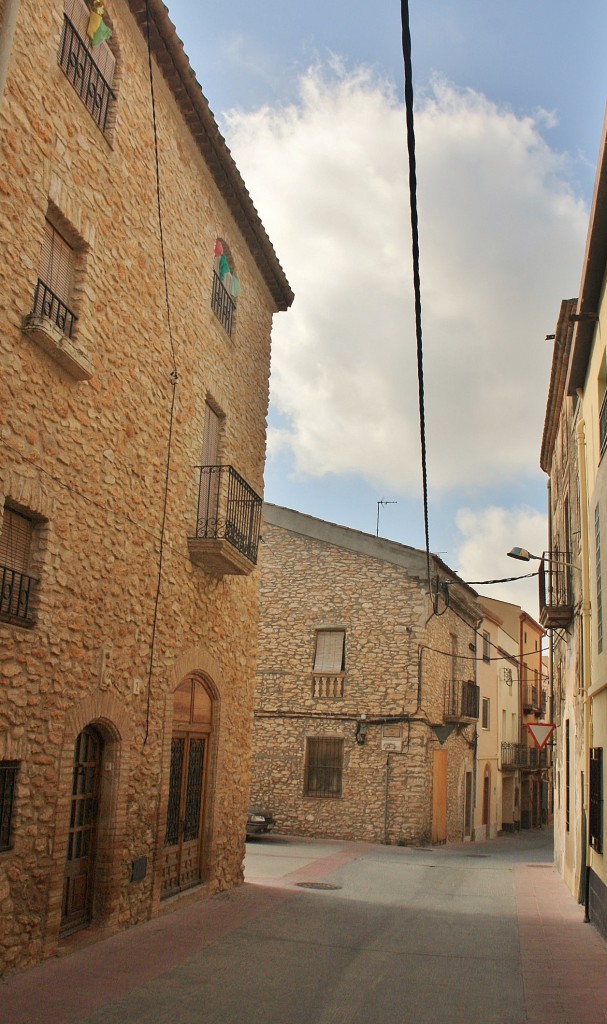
(501, 239)
(486, 535)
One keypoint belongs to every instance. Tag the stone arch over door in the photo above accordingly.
(103, 716)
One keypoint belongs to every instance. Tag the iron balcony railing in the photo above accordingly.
(15, 595)
(82, 71)
(222, 303)
(532, 697)
(462, 700)
(47, 304)
(518, 755)
(228, 509)
(556, 597)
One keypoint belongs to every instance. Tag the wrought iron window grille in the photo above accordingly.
(222, 303)
(84, 74)
(15, 595)
(47, 304)
(8, 781)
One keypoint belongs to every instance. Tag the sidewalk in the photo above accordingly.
(564, 961)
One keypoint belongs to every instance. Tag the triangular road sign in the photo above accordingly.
(541, 732)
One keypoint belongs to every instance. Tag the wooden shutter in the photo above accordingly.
(57, 264)
(210, 438)
(78, 13)
(15, 540)
(329, 650)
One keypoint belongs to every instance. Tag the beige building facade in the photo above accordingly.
(497, 808)
(135, 350)
(573, 454)
(366, 703)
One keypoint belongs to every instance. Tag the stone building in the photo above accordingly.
(136, 309)
(366, 701)
(500, 754)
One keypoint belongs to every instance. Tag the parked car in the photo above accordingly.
(259, 821)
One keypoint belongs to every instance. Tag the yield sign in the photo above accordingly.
(541, 732)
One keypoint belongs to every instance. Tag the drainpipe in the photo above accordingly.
(386, 800)
(586, 641)
(7, 33)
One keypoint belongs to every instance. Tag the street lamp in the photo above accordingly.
(523, 555)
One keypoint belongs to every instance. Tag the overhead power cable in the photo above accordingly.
(406, 40)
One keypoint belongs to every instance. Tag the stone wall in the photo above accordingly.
(309, 585)
(116, 627)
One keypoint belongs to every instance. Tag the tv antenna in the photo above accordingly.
(382, 501)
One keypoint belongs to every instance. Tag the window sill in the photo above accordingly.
(58, 346)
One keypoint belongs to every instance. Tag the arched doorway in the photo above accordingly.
(79, 874)
(192, 721)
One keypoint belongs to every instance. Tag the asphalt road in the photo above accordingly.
(342, 933)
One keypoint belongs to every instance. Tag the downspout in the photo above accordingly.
(387, 785)
(7, 34)
(586, 641)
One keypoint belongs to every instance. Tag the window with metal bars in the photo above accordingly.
(226, 287)
(323, 767)
(53, 296)
(485, 713)
(90, 71)
(16, 583)
(596, 799)
(8, 781)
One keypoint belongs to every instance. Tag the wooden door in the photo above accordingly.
(81, 846)
(208, 495)
(468, 805)
(439, 797)
(487, 798)
(182, 838)
(182, 858)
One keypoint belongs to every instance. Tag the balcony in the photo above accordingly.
(518, 755)
(50, 325)
(462, 701)
(228, 523)
(15, 596)
(556, 598)
(328, 684)
(532, 697)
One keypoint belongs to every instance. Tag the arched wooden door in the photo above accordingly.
(78, 882)
(192, 720)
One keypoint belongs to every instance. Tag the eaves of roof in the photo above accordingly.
(593, 274)
(413, 560)
(558, 379)
(172, 60)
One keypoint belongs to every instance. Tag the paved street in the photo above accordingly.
(483, 934)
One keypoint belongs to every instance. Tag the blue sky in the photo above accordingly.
(510, 101)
